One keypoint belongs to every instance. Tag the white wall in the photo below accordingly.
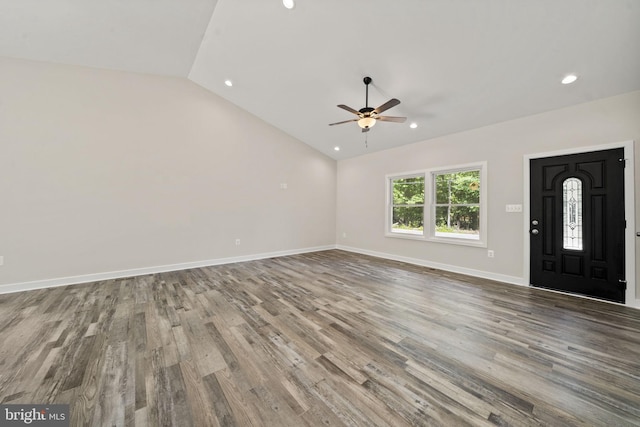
(361, 181)
(103, 171)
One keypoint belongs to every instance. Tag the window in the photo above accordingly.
(457, 204)
(407, 210)
(450, 201)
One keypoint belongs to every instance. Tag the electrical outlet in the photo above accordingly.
(283, 186)
(344, 235)
(1, 260)
(490, 253)
(237, 242)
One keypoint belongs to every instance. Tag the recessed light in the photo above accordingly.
(569, 78)
(336, 148)
(289, 4)
(228, 83)
(413, 125)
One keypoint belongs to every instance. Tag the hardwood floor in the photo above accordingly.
(326, 338)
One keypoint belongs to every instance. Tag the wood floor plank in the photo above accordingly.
(111, 404)
(200, 404)
(323, 338)
(222, 410)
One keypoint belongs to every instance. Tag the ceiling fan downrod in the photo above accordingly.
(366, 81)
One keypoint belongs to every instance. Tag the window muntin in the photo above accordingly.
(572, 214)
(407, 207)
(457, 204)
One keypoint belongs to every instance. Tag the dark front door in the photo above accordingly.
(577, 224)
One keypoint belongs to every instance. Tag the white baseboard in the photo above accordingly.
(446, 267)
(74, 280)
(87, 278)
(471, 272)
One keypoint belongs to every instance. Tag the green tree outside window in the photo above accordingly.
(408, 205)
(457, 203)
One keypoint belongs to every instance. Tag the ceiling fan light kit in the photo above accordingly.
(366, 122)
(367, 116)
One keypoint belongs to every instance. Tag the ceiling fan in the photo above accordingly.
(367, 116)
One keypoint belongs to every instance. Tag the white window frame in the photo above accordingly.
(429, 232)
(389, 215)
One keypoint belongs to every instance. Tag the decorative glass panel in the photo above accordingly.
(572, 214)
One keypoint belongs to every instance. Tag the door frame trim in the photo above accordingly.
(629, 211)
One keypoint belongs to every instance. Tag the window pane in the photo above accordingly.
(408, 191)
(458, 221)
(572, 213)
(442, 217)
(408, 219)
(458, 188)
(443, 185)
(467, 187)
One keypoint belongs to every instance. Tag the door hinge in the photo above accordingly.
(623, 284)
(624, 162)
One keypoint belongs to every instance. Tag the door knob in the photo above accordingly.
(534, 231)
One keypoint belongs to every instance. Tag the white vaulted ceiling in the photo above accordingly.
(454, 64)
(146, 36)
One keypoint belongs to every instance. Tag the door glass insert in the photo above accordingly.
(572, 214)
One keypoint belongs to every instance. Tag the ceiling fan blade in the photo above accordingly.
(346, 121)
(365, 130)
(392, 119)
(384, 107)
(349, 109)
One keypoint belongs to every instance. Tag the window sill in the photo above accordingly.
(407, 236)
(457, 241)
(436, 239)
